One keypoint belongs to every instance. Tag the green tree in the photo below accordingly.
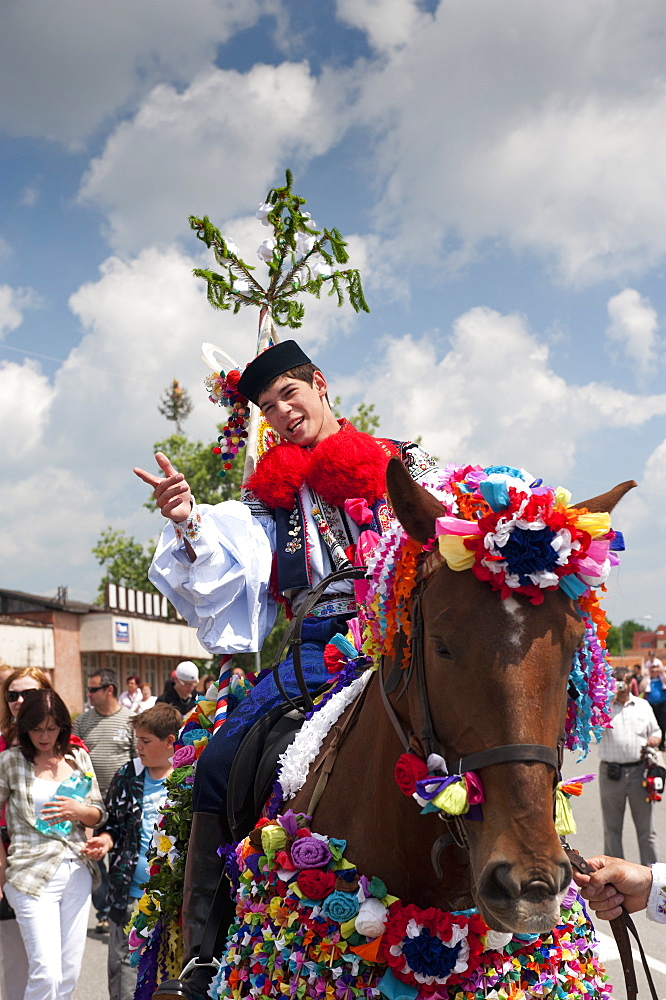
(363, 417)
(201, 469)
(124, 560)
(176, 404)
(620, 638)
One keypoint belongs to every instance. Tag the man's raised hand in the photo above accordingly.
(172, 493)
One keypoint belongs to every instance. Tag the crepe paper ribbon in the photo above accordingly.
(359, 511)
(574, 786)
(453, 794)
(565, 824)
(596, 525)
(222, 693)
(451, 533)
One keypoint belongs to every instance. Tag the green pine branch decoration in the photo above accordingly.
(299, 257)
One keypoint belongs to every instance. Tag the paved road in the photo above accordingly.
(92, 984)
(588, 840)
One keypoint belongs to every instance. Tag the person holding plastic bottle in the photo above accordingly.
(47, 875)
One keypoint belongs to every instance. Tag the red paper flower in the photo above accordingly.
(233, 378)
(408, 770)
(316, 884)
(428, 948)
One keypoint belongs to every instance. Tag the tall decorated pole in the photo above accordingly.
(267, 336)
(300, 259)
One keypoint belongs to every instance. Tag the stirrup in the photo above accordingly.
(194, 963)
(176, 989)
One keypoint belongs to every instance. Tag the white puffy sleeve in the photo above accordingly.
(224, 592)
(656, 907)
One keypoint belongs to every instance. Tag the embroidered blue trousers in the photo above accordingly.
(213, 767)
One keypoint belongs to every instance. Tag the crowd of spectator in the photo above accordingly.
(123, 741)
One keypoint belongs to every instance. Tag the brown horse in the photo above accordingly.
(495, 675)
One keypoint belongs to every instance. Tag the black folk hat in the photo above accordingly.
(268, 365)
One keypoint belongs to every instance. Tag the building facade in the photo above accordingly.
(134, 633)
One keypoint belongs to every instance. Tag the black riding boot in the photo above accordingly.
(203, 871)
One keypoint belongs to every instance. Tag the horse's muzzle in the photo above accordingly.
(522, 902)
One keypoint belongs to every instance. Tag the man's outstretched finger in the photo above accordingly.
(164, 464)
(147, 477)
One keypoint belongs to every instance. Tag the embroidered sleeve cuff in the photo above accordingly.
(190, 529)
(656, 907)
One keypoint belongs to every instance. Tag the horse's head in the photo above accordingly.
(496, 674)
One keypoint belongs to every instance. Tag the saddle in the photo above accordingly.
(255, 765)
(254, 768)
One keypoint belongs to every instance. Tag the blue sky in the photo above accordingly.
(499, 170)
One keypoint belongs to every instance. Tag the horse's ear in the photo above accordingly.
(606, 501)
(415, 508)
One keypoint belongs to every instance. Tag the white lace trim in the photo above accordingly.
(296, 760)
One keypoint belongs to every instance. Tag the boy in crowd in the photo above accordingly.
(135, 796)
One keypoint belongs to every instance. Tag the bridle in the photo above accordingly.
(425, 732)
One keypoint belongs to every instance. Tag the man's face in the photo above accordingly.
(295, 409)
(621, 688)
(184, 688)
(96, 693)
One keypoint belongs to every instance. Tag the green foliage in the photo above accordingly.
(620, 638)
(299, 257)
(363, 417)
(201, 469)
(176, 404)
(125, 561)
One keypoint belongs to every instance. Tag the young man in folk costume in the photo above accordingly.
(314, 502)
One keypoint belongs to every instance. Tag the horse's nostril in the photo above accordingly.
(497, 886)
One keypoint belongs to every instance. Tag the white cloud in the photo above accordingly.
(389, 24)
(13, 302)
(537, 128)
(494, 397)
(68, 65)
(212, 148)
(25, 400)
(633, 328)
(143, 322)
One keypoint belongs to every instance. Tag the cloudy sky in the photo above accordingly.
(498, 168)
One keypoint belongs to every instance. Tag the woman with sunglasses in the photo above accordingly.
(13, 692)
(47, 878)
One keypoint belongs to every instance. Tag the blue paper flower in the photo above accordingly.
(529, 551)
(340, 906)
(427, 955)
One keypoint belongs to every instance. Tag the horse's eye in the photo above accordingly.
(441, 649)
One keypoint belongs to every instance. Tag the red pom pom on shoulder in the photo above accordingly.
(349, 464)
(279, 474)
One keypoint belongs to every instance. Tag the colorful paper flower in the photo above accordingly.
(409, 769)
(310, 852)
(316, 884)
(340, 906)
(432, 947)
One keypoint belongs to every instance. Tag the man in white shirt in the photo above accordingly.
(621, 772)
